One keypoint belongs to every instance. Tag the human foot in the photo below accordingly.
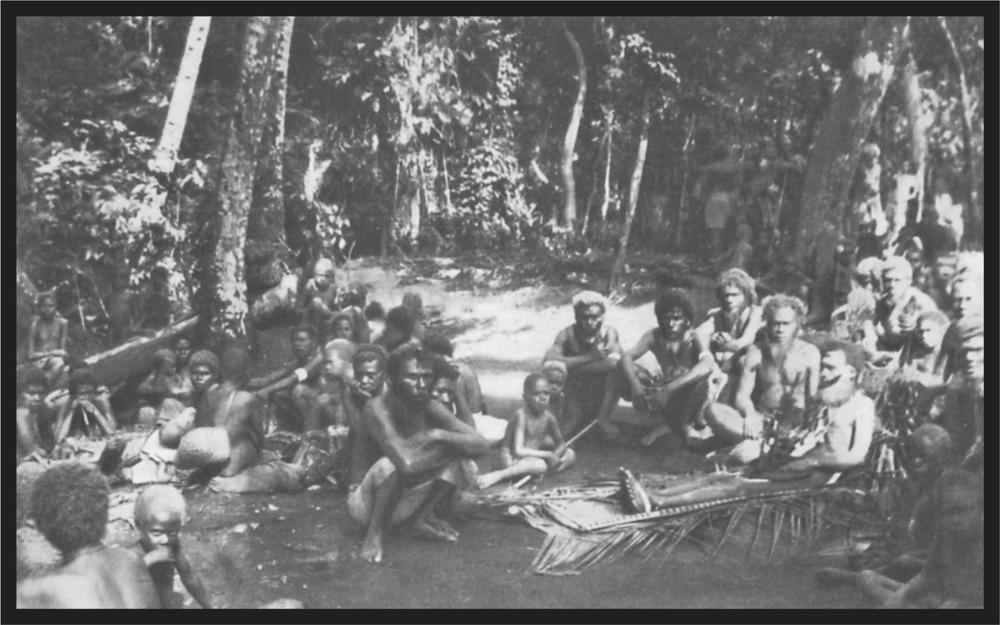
(434, 529)
(371, 549)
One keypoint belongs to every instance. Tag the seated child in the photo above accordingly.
(342, 327)
(352, 302)
(318, 299)
(30, 416)
(70, 506)
(538, 446)
(83, 414)
(159, 517)
(47, 338)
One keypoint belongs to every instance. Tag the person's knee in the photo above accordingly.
(568, 459)
(381, 471)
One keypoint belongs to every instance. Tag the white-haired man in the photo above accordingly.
(591, 352)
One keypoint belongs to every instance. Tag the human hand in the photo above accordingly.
(753, 424)
(660, 399)
(159, 555)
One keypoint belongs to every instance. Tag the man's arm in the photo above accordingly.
(628, 362)
(191, 580)
(557, 351)
(408, 458)
(32, 352)
(463, 437)
(63, 337)
(812, 358)
(293, 376)
(754, 324)
(748, 377)
(271, 378)
(611, 356)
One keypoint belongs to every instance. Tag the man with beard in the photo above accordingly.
(678, 400)
(844, 423)
(922, 350)
(896, 312)
(729, 330)
(591, 352)
(966, 297)
(778, 375)
(423, 446)
(294, 388)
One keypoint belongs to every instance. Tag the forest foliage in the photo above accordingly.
(444, 134)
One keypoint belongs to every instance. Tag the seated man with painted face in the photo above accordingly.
(677, 398)
(896, 312)
(779, 375)
(591, 352)
(423, 446)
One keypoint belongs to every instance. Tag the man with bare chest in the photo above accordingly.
(778, 373)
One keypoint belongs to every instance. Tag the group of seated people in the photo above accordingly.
(388, 413)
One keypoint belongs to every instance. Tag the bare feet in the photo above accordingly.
(371, 548)
(434, 529)
(653, 436)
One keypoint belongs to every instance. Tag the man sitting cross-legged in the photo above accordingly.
(423, 445)
(839, 425)
(676, 403)
(778, 373)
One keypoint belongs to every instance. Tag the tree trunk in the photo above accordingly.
(224, 282)
(165, 154)
(974, 211)
(685, 170)
(837, 150)
(633, 197)
(607, 172)
(918, 127)
(267, 254)
(569, 143)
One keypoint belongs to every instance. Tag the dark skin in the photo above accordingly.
(48, 333)
(159, 536)
(306, 357)
(85, 400)
(418, 435)
(28, 418)
(242, 415)
(369, 379)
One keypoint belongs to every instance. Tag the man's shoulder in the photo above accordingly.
(805, 348)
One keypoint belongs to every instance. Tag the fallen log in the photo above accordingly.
(135, 356)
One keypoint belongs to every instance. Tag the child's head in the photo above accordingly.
(555, 373)
(536, 393)
(70, 506)
(46, 304)
(374, 311)
(203, 368)
(444, 376)
(342, 327)
(83, 384)
(355, 295)
(159, 516)
(33, 388)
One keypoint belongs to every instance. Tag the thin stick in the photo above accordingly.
(521, 482)
(581, 432)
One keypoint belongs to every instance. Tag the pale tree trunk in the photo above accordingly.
(685, 167)
(837, 150)
(224, 281)
(268, 255)
(569, 143)
(165, 154)
(606, 200)
(918, 127)
(633, 197)
(974, 211)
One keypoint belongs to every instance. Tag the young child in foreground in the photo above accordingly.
(538, 445)
(70, 506)
(159, 517)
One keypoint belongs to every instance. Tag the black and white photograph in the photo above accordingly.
(504, 313)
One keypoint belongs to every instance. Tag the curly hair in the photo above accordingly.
(531, 381)
(70, 506)
(403, 354)
(204, 358)
(774, 303)
(235, 365)
(741, 280)
(671, 299)
(369, 352)
(403, 318)
(441, 368)
(853, 354)
(81, 377)
(439, 344)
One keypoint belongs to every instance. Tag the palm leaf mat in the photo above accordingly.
(585, 524)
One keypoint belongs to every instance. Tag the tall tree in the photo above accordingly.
(569, 142)
(267, 253)
(224, 297)
(633, 194)
(918, 121)
(180, 103)
(837, 150)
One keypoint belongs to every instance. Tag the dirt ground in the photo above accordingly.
(252, 549)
